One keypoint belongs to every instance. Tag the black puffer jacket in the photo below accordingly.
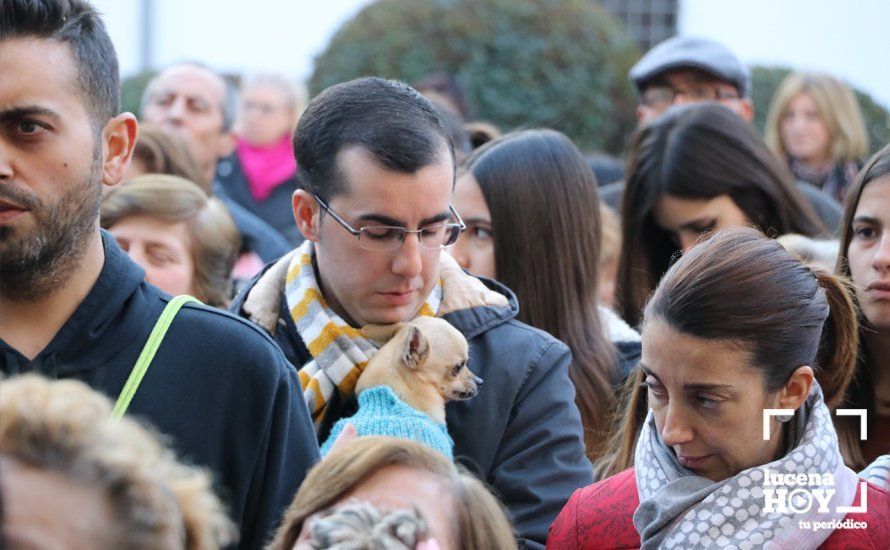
(521, 433)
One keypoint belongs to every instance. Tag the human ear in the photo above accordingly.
(642, 115)
(797, 389)
(118, 140)
(746, 109)
(306, 214)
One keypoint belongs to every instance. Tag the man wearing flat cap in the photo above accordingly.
(690, 70)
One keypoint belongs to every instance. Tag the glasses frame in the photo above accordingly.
(357, 233)
(714, 94)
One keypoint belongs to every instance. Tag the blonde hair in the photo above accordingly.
(479, 519)
(214, 238)
(66, 427)
(837, 106)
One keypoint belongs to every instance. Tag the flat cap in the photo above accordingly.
(692, 52)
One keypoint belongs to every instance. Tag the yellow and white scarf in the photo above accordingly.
(339, 351)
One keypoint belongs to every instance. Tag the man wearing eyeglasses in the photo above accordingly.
(690, 70)
(375, 180)
(687, 69)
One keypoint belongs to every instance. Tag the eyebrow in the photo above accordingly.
(867, 219)
(694, 386)
(386, 220)
(697, 222)
(28, 111)
(477, 220)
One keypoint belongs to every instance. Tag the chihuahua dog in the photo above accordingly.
(424, 364)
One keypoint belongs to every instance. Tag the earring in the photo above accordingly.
(784, 417)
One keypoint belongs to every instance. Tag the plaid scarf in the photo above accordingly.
(339, 351)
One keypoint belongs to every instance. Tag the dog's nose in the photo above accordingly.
(477, 380)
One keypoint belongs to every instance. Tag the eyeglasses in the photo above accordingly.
(386, 237)
(663, 96)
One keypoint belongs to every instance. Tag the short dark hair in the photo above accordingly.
(397, 126)
(77, 23)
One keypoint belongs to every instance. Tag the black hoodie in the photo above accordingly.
(219, 388)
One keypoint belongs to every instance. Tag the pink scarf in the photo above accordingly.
(266, 167)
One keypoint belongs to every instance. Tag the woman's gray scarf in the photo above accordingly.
(679, 509)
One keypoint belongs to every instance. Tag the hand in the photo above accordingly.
(463, 291)
(348, 434)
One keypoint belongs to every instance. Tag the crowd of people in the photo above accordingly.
(664, 348)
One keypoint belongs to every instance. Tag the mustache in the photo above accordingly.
(23, 198)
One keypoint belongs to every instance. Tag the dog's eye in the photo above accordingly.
(456, 369)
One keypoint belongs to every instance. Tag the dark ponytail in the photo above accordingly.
(837, 358)
(839, 344)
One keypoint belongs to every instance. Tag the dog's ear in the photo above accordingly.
(381, 333)
(416, 348)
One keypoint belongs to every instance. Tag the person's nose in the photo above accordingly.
(459, 252)
(688, 240)
(676, 429)
(176, 111)
(797, 124)
(682, 98)
(409, 257)
(881, 260)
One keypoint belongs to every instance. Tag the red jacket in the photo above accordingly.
(600, 516)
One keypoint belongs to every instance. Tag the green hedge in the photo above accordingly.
(522, 63)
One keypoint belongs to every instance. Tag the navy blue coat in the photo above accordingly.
(521, 433)
(276, 210)
(219, 388)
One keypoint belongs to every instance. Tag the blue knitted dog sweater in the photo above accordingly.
(381, 412)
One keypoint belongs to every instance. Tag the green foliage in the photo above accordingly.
(131, 91)
(766, 80)
(560, 64)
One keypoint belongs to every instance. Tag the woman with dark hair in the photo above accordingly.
(696, 169)
(737, 332)
(548, 256)
(865, 257)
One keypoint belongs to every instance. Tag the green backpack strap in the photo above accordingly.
(148, 353)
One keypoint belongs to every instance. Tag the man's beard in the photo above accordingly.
(36, 264)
